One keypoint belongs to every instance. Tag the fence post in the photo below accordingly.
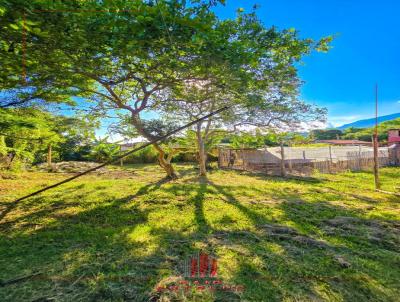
(121, 161)
(330, 159)
(359, 157)
(290, 161)
(49, 155)
(376, 165)
(397, 154)
(283, 172)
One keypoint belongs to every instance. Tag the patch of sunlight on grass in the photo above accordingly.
(278, 214)
(384, 214)
(170, 218)
(141, 234)
(144, 242)
(325, 292)
(257, 261)
(228, 262)
(371, 283)
(337, 241)
(276, 248)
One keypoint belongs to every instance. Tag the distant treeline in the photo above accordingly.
(363, 134)
(27, 135)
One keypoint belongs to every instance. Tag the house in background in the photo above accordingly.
(127, 146)
(393, 136)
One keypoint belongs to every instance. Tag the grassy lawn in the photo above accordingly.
(119, 236)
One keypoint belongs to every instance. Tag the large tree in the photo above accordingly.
(23, 80)
(131, 55)
(120, 55)
(255, 75)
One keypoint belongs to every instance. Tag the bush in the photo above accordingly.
(146, 155)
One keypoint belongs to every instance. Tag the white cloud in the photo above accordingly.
(307, 126)
(117, 138)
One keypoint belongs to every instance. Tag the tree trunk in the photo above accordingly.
(164, 160)
(49, 160)
(202, 152)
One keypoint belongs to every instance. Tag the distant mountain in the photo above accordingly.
(367, 123)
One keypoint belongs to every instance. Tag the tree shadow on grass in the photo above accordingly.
(304, 255)
(71, 247)
(112, 251)
(91, 254)
(288, 178)
(198, 200)
(231, 199)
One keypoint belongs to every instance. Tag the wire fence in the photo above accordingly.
(305, 161)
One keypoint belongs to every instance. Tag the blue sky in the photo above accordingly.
(365, 51)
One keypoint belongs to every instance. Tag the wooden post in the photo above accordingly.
(219, 158)
(376, 164)
(359, 157)
(290, 165)
(375, 139)
(330, 161)
(396, 152)
(121, 161)
(283, 171)
(49, 150)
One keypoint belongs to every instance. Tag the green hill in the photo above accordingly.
(366, 133)
(370, 122)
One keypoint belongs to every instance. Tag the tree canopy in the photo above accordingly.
(137, 56)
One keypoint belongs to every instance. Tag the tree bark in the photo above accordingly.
(49, 153)
(202, 151)
(164, 159)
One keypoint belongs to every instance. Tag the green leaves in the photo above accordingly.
(103, 151)
(14, 26)
(324, 44)
(155, 55)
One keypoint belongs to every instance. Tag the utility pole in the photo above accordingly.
(375, 140)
